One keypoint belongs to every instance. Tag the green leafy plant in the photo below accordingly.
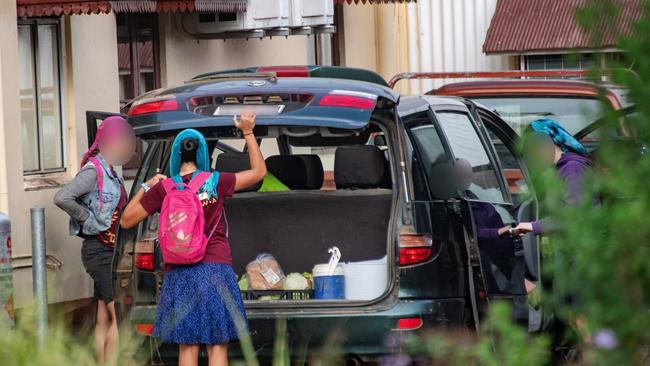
(20, 345)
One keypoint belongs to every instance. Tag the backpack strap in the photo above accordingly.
(222, 209)
(100, 176)
(169, 185)
(198, 181)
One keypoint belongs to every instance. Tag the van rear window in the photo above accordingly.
(574, 114)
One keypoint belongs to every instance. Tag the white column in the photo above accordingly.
(10, 148)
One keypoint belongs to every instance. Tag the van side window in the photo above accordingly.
(511, 170)
(428, 149)
(482, 181)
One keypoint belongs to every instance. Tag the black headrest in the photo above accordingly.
(359, 166)
(297, 171)
(231, 162)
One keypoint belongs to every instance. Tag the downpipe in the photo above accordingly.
(39, 275)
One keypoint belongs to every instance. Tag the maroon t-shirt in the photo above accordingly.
(218, 249)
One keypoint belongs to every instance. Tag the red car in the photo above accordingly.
(573, 103)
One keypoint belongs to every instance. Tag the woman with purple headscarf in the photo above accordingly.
(94, 200)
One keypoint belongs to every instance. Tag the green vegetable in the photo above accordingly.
(296, 281)
(269, 297)
(243, 282)
(308, 276)
(310, 279)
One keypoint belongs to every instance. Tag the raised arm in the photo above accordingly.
(257, 171)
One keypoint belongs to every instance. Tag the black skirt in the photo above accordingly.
(97, 258)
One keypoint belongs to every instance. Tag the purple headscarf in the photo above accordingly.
(111, 129)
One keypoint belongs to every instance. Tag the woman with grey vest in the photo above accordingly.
(94, 200)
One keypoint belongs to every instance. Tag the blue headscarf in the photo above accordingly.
(202, 159)
(558, 134)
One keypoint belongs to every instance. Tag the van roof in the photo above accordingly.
(311, 71)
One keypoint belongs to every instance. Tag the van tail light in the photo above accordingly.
(153, 107)
(144, 255)
(144, 262)
(409, 324)
(416, 248)
(356, 100)
(144, 329)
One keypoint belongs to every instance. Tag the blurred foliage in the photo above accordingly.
(601, 257)
(20, 346)
(500, 342)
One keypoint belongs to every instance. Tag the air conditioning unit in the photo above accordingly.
(264, 18)
(260, 14)
(311, 13)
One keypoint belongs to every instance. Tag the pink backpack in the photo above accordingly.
(181, 232)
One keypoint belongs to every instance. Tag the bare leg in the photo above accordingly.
(101, 329)
(218, 355)
(188, 354)
(111, 347)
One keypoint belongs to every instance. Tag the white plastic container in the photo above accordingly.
(365, 280)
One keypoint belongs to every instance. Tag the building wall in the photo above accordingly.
(376, 38)
(90, 82)
(360, 25)
(434, 36)
(183, 57)
(448, 35)
(9, 113)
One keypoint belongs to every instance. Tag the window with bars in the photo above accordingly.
(137, 47)
(580, 61)
(42, 132)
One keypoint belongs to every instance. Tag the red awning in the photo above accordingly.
(373, 1)
(39, 8)
(46, 8)
(525, 26)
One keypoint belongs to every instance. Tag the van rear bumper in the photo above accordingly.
(355, 331)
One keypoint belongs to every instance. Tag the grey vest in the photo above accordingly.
(99, 218)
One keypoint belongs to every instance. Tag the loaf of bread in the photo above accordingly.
(265, 273)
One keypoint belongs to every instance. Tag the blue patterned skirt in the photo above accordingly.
(200, 304)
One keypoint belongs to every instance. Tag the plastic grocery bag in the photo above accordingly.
(265, 273)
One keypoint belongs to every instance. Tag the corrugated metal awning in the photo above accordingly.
(40, 8)
(527, 26)
(165, 6)
(373, 1)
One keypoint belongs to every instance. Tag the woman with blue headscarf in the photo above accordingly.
(549, 144)
(201, 303)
